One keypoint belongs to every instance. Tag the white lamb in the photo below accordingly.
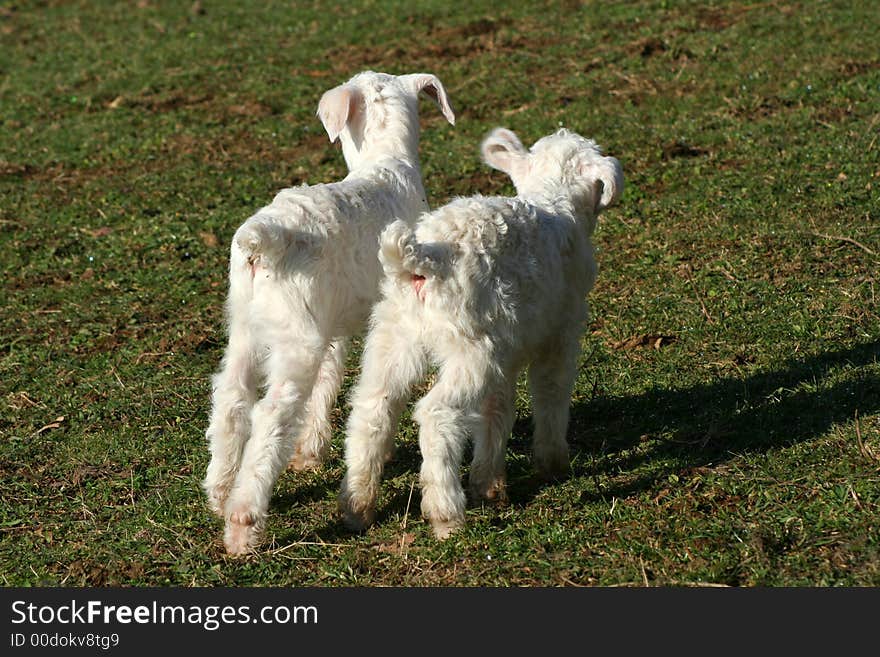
(481, 288)
(303, 275)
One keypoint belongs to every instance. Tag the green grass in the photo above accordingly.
(137, 136)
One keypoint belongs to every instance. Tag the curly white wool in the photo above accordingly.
(482, 288)
(303, 274)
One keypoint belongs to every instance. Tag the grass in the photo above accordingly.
(742, 450)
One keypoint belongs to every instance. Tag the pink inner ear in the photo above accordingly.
(442, 102)
(335, 109)
(432, 93)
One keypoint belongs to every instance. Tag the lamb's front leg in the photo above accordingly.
(314, 441)
(551, 381)
(393, 361)
(276, 420)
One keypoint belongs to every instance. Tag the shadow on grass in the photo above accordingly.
(707, 424)
(407, 460)
(681, 429)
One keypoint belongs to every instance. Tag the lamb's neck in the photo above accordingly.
(378, 149)
(554, 201)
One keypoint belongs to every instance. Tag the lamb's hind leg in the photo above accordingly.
(393, 361)
(447, 415)
(276, 419)
(234, 392)
(487, 479)
(314, 441)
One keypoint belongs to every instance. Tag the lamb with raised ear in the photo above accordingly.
(303, 275)
(481, 288)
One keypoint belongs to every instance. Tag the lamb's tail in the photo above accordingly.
(402, 255)
(271, 243)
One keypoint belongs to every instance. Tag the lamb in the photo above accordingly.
(303, 275)
(481, 288)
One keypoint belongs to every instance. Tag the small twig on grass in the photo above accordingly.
(728, 275)
(178, 536)
(712, 585)
(690, 279)
(843, 238)
(571, 583)
(52, 425)
(152, 354)
(179, 396)
(517, 110)
(644, 574)
(870, 129)
(116, 374)
(864, 449)
(23, 396)
(403, 543)
(320, 543)
(854, 496)
(88, 514)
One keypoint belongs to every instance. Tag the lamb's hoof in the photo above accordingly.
(493, 492)
(357, 520)
(301, 461)
(243, 532)
(217, 496)
(553, 466)
(555, 472)
(443, 529)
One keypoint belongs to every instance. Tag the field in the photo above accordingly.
(726, 421)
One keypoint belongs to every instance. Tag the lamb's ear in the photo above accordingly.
(503, 150)
(433, 88)
(608, 175)
(338, 107)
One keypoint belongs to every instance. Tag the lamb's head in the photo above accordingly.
(376, 115)
(563, 165)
